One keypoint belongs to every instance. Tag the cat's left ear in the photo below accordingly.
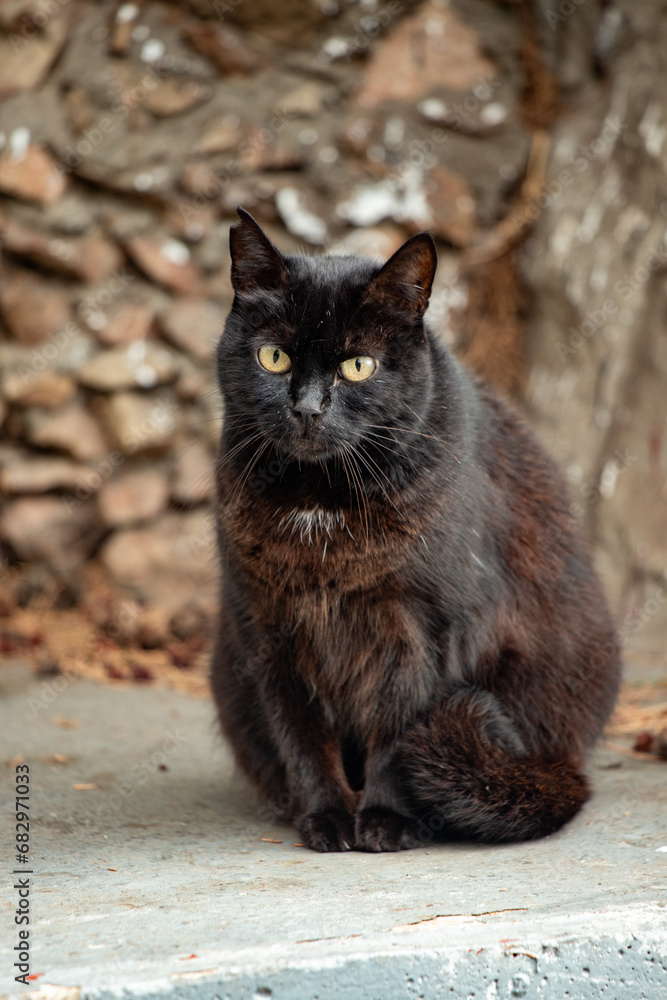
(256, 264)
(406, 279)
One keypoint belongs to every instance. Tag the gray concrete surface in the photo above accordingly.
(157, 883)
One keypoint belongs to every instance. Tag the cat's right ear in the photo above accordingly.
(405, 281)
(256, 264)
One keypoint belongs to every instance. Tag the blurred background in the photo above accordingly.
(528, 136)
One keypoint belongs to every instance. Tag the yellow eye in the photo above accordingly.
(358, 369)
(273, 359)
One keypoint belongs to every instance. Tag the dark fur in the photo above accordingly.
(439, 664)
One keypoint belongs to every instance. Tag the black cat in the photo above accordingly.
(412, 640)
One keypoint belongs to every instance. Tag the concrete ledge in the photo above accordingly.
(157, 883)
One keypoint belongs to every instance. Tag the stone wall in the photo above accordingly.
(129, 134)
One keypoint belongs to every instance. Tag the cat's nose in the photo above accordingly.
(308, 407)
(307, 412)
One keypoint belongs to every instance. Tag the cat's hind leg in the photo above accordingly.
(468, 775)
(243, 722)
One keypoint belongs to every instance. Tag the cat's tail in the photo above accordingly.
(468, 775)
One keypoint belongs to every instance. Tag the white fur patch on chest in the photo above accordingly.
(313, 524)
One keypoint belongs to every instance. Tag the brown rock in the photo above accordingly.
(132, 496)
(174, 96)
(141, 423)
(89, 259)
(129, 321)
(33, 308)
(47, 528)
(123, 25)
(165, 261)
(71, 429)
(48, 389)
(193, 325)
(221, 135)
(359, 134)
(165, 563)
(27, 53)
(432, 48)
(377, 241)
(227, 49)
(305, 101)
(190, 623)
(139, 365)
(32, 175)
(193, 480)
(267, 150)
(453, 207)
(200, 179)
(153, 631)
(192, 382)
(79, 110)
(25, 473)
(211, 405)
(191, 222)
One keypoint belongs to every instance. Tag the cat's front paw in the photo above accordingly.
(329, 830)
(378, 829)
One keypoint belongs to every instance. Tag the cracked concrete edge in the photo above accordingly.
(578, 955)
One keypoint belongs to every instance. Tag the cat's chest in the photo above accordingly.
(306, 554)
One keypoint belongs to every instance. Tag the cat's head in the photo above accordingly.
(318, 351)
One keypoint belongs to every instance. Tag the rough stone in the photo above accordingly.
(90, 258)
(452, 206)
(32, 175)
(304, 101)
(596, 344)
(201, 180)
(226, 48)
(192, 382)
(49, 389)
(360, 133)
(432, 48)
(141, 422)
(193, 479)
(79, 109)
(139, 365)
(377, 241)
(193, 325)
(165, 562)
(26, 54)
(166, 261)
(173, 97)
(128, 322)
(33, 308)
(220, 135)
(132, 496)
(276, 151)
(34, 473)
(72, 429)
(46, 528)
